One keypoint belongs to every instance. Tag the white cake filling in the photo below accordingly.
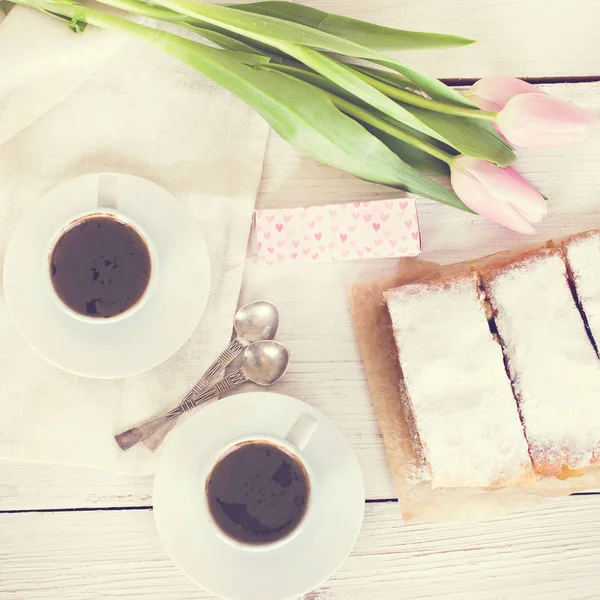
(552, 362)
(460, 395)
(583, 254)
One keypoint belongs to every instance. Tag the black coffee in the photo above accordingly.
(258, 493)
(100, 267)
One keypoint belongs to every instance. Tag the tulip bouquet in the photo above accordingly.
(322, 82)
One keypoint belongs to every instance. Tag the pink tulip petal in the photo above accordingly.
(499, 132)
(536, 121)
(498, 90)
(484, 103)
(478, 198)
(506, 185)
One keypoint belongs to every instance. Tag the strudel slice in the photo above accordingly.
(459, 393)
(583, 256)
(552, 363)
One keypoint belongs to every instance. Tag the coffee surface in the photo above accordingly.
(100, 267)
(258, 493)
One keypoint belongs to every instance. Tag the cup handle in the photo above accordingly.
(302, 430)
(107, 192)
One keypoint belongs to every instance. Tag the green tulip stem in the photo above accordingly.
(427, 103)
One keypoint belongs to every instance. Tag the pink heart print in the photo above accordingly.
(346, 232)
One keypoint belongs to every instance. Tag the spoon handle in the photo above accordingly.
(160, 429)
(132, 436)
(154, 440)
(226, 357)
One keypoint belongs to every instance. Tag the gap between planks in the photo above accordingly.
(17, 511)
(149, 507)
(467, 81)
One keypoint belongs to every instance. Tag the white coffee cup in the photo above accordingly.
(107, 207)
(292, 444)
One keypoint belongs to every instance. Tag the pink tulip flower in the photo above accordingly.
(540, 120)
(492, 93)
(497, 193)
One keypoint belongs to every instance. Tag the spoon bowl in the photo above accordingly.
(256, 321)
(265, 362)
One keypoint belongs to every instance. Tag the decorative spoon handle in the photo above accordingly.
(226, 357)
(154, 440)
(132, 436)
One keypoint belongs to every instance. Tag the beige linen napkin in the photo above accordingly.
(71, 105)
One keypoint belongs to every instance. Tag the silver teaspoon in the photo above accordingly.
(264, 363)
(253, 322)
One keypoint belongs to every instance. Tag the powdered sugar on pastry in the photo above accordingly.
(554, 367)
(583, 256)
(461, 398)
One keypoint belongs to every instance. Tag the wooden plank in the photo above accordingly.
(524, 38)
(315, 321)
(325, 371)
(551, 554)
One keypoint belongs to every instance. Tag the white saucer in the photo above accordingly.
(282, 572)
(151, 334)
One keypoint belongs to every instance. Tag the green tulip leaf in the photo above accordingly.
(366, 34)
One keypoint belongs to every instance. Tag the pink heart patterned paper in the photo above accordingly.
(378, 229)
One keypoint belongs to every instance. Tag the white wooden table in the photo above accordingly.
(77, 533)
